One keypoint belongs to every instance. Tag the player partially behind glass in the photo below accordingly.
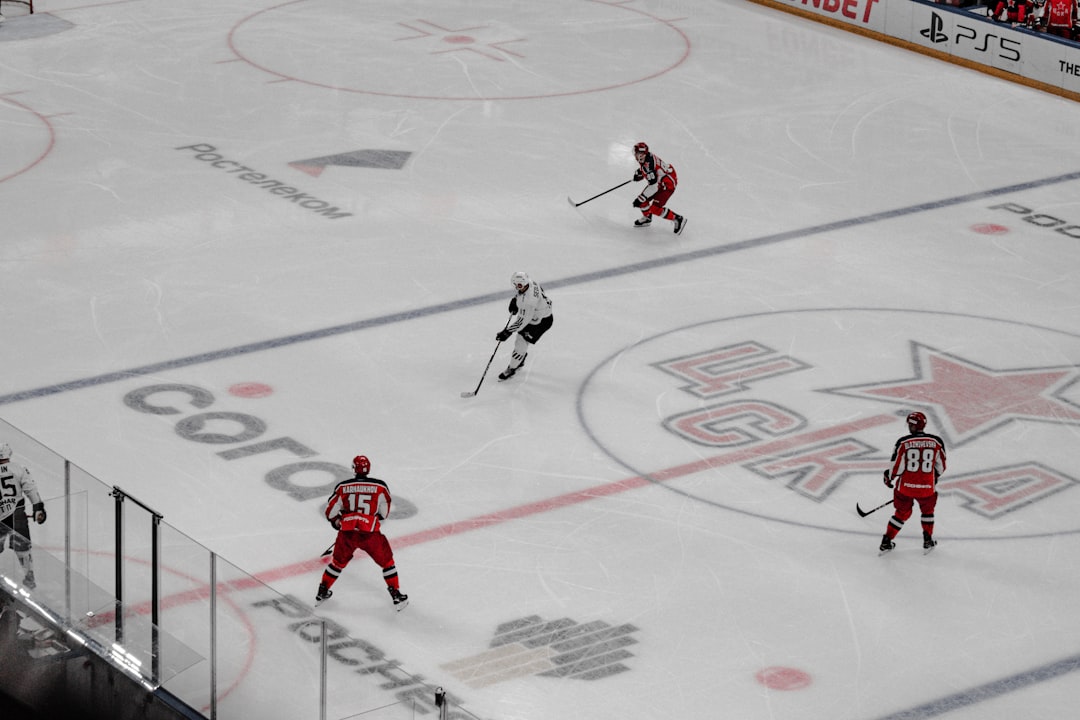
(16, 486)
(918, 461)
(356, 509)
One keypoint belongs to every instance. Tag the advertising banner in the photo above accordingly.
(965, 34)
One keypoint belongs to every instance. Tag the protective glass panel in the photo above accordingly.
(264, 635)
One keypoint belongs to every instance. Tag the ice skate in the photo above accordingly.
(928, 543)
(643, 221)
(28, 581)
(322, 594)
(400, 600)
(511, 371)
(680, 224)
(886, 545)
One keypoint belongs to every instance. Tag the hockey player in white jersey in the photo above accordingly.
(532, 317)
(16, 486)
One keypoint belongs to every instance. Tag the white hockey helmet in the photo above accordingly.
(520, 281)
(5, 451)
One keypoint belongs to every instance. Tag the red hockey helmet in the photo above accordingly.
(361, 465)
(916, 422)
(641, 149)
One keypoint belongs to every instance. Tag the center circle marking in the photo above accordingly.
(623, 400)
(516, 57)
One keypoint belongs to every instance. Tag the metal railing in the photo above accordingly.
(175, 615)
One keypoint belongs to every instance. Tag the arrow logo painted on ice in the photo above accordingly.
(381, 159)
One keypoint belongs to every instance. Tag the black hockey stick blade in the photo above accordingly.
(864, 513)
(579, 204)
(328, 551)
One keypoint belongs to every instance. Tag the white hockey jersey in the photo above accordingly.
(15, 484)
(532, 307)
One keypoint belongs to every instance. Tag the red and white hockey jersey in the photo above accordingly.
(361, 503)
(918, 461)
(653, 169)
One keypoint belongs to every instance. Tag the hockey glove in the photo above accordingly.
(888, 479)
(39, 513)
(641, 201)
(336, 522)
(639, 176)
(513, 306)
(503, 335)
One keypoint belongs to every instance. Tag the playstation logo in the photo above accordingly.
(933, 33)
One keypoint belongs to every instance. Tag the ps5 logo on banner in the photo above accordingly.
(934, 33)
(969, 38)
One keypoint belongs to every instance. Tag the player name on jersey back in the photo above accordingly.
(361, 487)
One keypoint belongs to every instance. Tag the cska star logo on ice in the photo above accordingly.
(968, 400)
(777, 415)
(560, 648)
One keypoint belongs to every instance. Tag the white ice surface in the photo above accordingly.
(840, 195)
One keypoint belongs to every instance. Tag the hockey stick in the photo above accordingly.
(468, 394)
(864, 513)
(328, 551)
(574, 204)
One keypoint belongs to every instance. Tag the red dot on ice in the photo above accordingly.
(250, 390)
(458, 39)
(990, 229)
(783, 678)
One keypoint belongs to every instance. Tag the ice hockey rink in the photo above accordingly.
(233, 222)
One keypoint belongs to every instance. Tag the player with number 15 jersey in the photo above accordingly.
(356, 509)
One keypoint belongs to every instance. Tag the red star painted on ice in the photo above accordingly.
(969, 400)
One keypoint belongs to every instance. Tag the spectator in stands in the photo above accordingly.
(1059, 18)
(1014, 12)
(1035, 19)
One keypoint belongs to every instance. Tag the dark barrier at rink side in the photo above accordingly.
(52, 668)
(129, 618)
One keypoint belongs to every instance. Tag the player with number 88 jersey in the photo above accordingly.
(918, 460)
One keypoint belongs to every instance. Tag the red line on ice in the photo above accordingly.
(560, 501)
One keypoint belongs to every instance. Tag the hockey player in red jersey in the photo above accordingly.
(918, 461)
(1014, 12)
(356, 509)
(653, 199)
(532, 317)
(1059, 17)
